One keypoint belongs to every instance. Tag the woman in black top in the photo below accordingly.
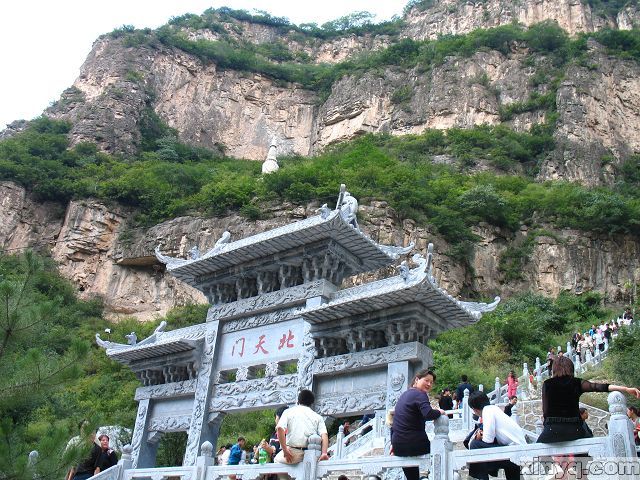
(408, 437)
(560, 402)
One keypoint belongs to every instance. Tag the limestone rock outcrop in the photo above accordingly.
(453, 17)
(104, 258)
(239, 113)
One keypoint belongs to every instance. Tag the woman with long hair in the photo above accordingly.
(408, 437)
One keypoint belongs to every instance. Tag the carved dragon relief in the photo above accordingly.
(370, 358)
(260, 320)
(351, 402)
(257, 385)
(200, 397)
(170, 424)
(255, 400)
(306, 361)
(167, 390)
(138, 430)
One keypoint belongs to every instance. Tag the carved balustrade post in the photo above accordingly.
(538, 370)
(467, 414)
(497, 387)
(587, 358)
(340, 442)
(310, 460)
(525, 374)
(577, 365)
(204, 460)
(125, 462)
(569, 349)
(620, 441)
(441, 448)
(515, 413)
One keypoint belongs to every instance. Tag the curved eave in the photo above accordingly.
(285, 238)
(153, 350)
(394, 292)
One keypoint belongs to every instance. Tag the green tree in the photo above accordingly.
(38, 355)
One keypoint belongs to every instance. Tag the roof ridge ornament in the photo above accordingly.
(132, 337)
(194, 253)
(348, 206)
(394, 251)
(220, 244)
(476, 309)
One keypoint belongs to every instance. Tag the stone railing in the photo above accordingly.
(442, 464)
(527, 390)
(357, 442)
(111, 473)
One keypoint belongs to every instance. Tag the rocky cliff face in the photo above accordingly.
(105, 259)
(456, 17)
(241, 112)
(598, 105)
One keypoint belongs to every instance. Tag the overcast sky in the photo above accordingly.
(44, 42)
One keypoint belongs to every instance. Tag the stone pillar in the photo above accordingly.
(143, 453)
(467, 414)
(569, 349)
(204, 461)
(538, 370)
(398, 381)
(212, 430)
(620, 441)
(441, 447)
(340, 442)
(525, 374)
(311, 455)
(199, 431)
(577, 365)
(515, 415)
(125, 461)
(496, 387)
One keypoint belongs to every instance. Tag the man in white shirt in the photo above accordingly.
(295, 427)
(497, 430)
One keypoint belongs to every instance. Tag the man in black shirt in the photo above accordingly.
(512, 401)
(87, 467)
(465, 385)
(446, 402)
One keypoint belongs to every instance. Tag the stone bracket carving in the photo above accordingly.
(168, 390)
(371, 358)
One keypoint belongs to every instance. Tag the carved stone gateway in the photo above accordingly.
(277, 307)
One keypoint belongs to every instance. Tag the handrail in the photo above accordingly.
(358, 431)
(110, 473)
